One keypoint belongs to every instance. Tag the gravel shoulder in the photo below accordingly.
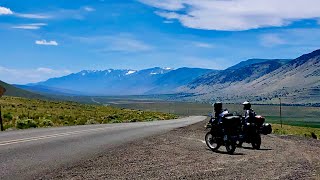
(182, 154)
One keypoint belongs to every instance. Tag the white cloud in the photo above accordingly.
(5, 11)
(89, 9)
(203, 45)
(46, 43)
(214, 63)
(236, 15)
(24, 76)
(33, 16)
(125, 43)
(31, 26)
(164, 4)
(270, 40)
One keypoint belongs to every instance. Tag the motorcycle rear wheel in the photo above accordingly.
(212, 142)
(256, 142)
(230, 146)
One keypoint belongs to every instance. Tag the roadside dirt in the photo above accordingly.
(182, 154)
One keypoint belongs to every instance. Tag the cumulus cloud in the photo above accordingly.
(235, 15)
(46, 43)
(32, 26)
(24, 76)
(5, 11)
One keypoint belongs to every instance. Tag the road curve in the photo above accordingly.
(26, 153)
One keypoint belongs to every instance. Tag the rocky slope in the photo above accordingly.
(296, 81)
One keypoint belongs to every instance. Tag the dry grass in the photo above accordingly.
(295, 130)
(25, 113)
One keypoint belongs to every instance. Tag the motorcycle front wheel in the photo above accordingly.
(212, 142)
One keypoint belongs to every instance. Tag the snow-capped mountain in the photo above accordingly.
(120, 82)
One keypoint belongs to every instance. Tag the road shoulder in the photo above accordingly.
(181, 153)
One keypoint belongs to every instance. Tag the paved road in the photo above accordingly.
(24, 154)
(181, 154)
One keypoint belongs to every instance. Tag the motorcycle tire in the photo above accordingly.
(230, 146)
(256, 142)
(212, 142)
(239, 143)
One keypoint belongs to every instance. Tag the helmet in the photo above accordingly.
(246, 105)
(217, 106)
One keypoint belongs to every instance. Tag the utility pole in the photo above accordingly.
(280, 112)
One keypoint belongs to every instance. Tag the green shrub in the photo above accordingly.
(46, 123)
(8, 116)
(26, 123)
(116, 121)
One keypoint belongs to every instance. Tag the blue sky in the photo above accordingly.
(48, 38)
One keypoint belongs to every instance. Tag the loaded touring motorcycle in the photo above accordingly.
(231, 132)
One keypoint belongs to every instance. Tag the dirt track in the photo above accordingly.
(181, 154)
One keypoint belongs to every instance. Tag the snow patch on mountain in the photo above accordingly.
(130, 72)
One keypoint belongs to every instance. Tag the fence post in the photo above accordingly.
(280, 112)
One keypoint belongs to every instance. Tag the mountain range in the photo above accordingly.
(295, 81)
(259, 80)
(119, 82)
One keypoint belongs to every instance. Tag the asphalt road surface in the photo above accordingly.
(27, 153)
(182, 154)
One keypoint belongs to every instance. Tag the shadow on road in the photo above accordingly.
(224, 152)
(261, 149)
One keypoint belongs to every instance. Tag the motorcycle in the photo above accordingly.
(223, 133)
(250, 132)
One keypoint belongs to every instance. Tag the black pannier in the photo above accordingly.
(266, 129)
(231, 121)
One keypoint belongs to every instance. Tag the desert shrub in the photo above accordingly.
(81, 122)
(8, 126)
(92, 121)
(46, 123)
(134, 120)
(8, 116)
(115, 121)
(26, 123)
(21, 116)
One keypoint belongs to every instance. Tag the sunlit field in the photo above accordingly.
(22, 113)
